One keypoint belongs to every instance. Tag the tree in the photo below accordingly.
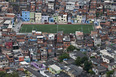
(71, 48)
(84, 53)
(63, 56)
(83, 59)
(2, 74)
(109, 73)
(8, 75)
(25, 71)
(78, 61)
(97, 14)
(14, 74)
(98, 45)
(94, 48)
(87, 66)
(91, 72)
(92, 57)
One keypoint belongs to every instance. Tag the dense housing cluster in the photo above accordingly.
(66, 50)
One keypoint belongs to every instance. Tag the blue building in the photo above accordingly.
(26, 16)
(27, 59)
(83, 19)
(69, 19)
(51, 19)
(72, 21)
(88, 22)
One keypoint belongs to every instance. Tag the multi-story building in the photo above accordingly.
(26, 16)
(39, 6)
(37, 17)
(60, 37)
(32, 8)
(79, 18)
(70, 5)
(3, 61)
(62, 19)
(55, 18)
(32, 16)
(10, 58)
(51, 4)
(45, 19)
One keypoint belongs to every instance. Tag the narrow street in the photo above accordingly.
(37, 74)
(17, 27)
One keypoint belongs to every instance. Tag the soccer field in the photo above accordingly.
(52, 28)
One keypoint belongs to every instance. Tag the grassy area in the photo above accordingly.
(67, 28)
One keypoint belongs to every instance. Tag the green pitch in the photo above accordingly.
(66, 28)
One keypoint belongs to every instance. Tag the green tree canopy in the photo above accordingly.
(83, 59)
(71, 48)
(14, 74)
(91, 72)
(87, 66)
(63, 56)
(109, 73)
(78, 61)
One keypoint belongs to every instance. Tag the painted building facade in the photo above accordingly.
(32, 16)
(26, 16)
(38, 17)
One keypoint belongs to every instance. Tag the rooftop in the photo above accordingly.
(55, 67)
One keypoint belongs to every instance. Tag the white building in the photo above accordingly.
(51, 4)
(107, 59)
(62, 19)
(97, 41)
(51, 36)
(3, 61)
(70, 5)
(79, 18)
(106, 53)
(37, 17)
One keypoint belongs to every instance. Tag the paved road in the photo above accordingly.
(37, 74)
(17, 26)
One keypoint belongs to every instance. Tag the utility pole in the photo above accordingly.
(57, 28)
(57, 23)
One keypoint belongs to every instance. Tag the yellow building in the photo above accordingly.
(79, 18)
